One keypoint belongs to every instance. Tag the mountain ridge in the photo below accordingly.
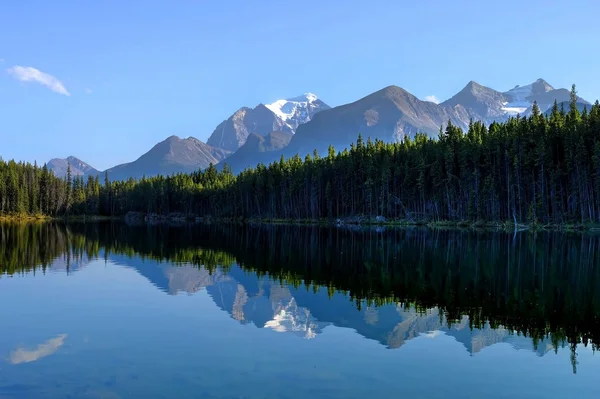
(282, 115)
(172, 155)
(479, 102)
(78, 167)
(301, 124)
(392, 113)
(232, 133)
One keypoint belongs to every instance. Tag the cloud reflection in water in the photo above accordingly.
(22, 355)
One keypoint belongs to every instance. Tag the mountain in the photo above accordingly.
(388, 114)
(478, 102)
(297, 110)
(257, 149)
(393, 113)
(299, 125)
(488, 105)
(482, 103)
(521, 98)
(78, 168)
(281, 116)
(172, 155)
(232, 133)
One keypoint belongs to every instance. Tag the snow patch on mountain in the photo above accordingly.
(283, 108)
(520, 93)
(514, 108)
(295, 110)
(519, 102)
(521, 96)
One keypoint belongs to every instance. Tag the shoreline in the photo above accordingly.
(358, 222)
(25, 218)
(355, 222)
(44, 218)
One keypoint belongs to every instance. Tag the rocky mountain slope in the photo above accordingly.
(389, 114)
(172, 155)
(281, 116)
(257, 149)
(232, 133)
(478, 102)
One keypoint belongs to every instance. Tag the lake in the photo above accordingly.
(108, 310)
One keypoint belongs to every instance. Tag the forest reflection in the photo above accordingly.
(544, 286)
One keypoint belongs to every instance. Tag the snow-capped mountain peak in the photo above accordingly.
(522, 97)
(520, 93)
(297, 110)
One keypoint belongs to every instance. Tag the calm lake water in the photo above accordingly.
(111, 311)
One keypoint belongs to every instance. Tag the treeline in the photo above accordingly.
(540, 169)
(27, 189)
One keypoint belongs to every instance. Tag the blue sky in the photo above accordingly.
(116, 77)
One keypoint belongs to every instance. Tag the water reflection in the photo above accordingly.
(284, 308)
(535, 292)
(22, 355)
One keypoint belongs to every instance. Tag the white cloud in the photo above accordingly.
(21, 355)
(30, 74)
(88, 90)
(432, 98)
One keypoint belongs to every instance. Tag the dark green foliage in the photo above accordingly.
(540, 169)
(28, 189)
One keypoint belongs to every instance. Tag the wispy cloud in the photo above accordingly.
(49, 347)
(432, 98)
(30, 74)
(88, 90)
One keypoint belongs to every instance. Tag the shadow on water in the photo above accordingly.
(544, 286)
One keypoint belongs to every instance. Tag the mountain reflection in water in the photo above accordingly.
(536, 292)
